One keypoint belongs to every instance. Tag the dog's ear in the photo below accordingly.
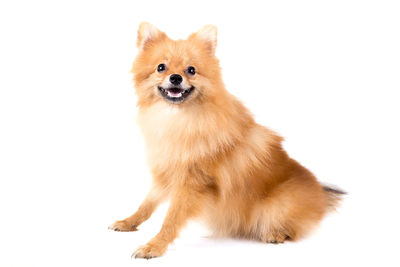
(147, 34)
(208, 36)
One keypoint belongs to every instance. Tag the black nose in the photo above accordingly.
(175, 79)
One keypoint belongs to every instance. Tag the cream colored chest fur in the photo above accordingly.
(174, 135)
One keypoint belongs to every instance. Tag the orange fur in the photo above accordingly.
(210, 158)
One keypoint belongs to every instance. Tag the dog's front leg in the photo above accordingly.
(185, 204)
(150, 203)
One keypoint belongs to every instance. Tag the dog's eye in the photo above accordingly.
(191, 70)
(161, 67)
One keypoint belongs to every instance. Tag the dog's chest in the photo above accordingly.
(162, 124)
(175, 135)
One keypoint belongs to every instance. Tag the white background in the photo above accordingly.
(324, 74)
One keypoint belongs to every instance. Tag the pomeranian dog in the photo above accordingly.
(208, 155)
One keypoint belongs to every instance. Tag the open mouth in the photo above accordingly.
(175, 95)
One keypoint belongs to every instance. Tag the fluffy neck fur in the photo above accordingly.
(190, 133)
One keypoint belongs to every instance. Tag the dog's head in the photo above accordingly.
(177, 72)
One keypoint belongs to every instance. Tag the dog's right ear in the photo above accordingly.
(147, 34)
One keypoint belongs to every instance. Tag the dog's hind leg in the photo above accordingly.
(291, 209)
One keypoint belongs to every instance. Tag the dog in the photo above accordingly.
(209, 157)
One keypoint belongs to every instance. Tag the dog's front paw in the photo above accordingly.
(149, 251)
(275, 238)
(122, 226)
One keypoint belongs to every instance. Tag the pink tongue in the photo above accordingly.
(174, 91)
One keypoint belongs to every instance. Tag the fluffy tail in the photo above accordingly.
(334, 195)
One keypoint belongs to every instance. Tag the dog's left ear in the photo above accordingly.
(207, 35)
